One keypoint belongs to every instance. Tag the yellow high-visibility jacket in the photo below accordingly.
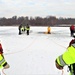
(2, 61)
(67, 57)
(22, 29)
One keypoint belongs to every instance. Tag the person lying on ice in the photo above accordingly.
(67, 58)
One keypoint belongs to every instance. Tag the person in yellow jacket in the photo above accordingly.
(3, 62)
(27, 29)
(72, 66)
(21, 29)
(67, 58)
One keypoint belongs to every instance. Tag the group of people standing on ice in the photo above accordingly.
(23, 29)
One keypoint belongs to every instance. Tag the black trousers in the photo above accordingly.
(27, 32)
(72, 31)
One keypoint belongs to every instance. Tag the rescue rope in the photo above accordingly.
(23, 48)
(30, 46)
(59, 44)
(3, 72)
(62, 72)
(63, 47)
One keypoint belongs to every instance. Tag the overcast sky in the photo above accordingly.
(42, 8)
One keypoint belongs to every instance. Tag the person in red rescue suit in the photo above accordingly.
(3, 62)
(67, 58)
(72, 29)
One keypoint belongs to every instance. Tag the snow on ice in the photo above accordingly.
(34, 54)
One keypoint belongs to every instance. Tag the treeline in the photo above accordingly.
(37, 21)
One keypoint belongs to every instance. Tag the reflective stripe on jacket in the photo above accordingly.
(60, 61)
(68, 57)
(2, 61)
(22, 29)
(27, 28)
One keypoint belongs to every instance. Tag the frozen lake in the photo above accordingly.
(34, 54)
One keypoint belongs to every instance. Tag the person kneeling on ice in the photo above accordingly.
(67, 58)
(3, 62)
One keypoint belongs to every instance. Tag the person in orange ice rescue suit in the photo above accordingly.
(48, 30)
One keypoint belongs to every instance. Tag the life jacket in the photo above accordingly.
(27, 28)
(22, 28)
(67, 57)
